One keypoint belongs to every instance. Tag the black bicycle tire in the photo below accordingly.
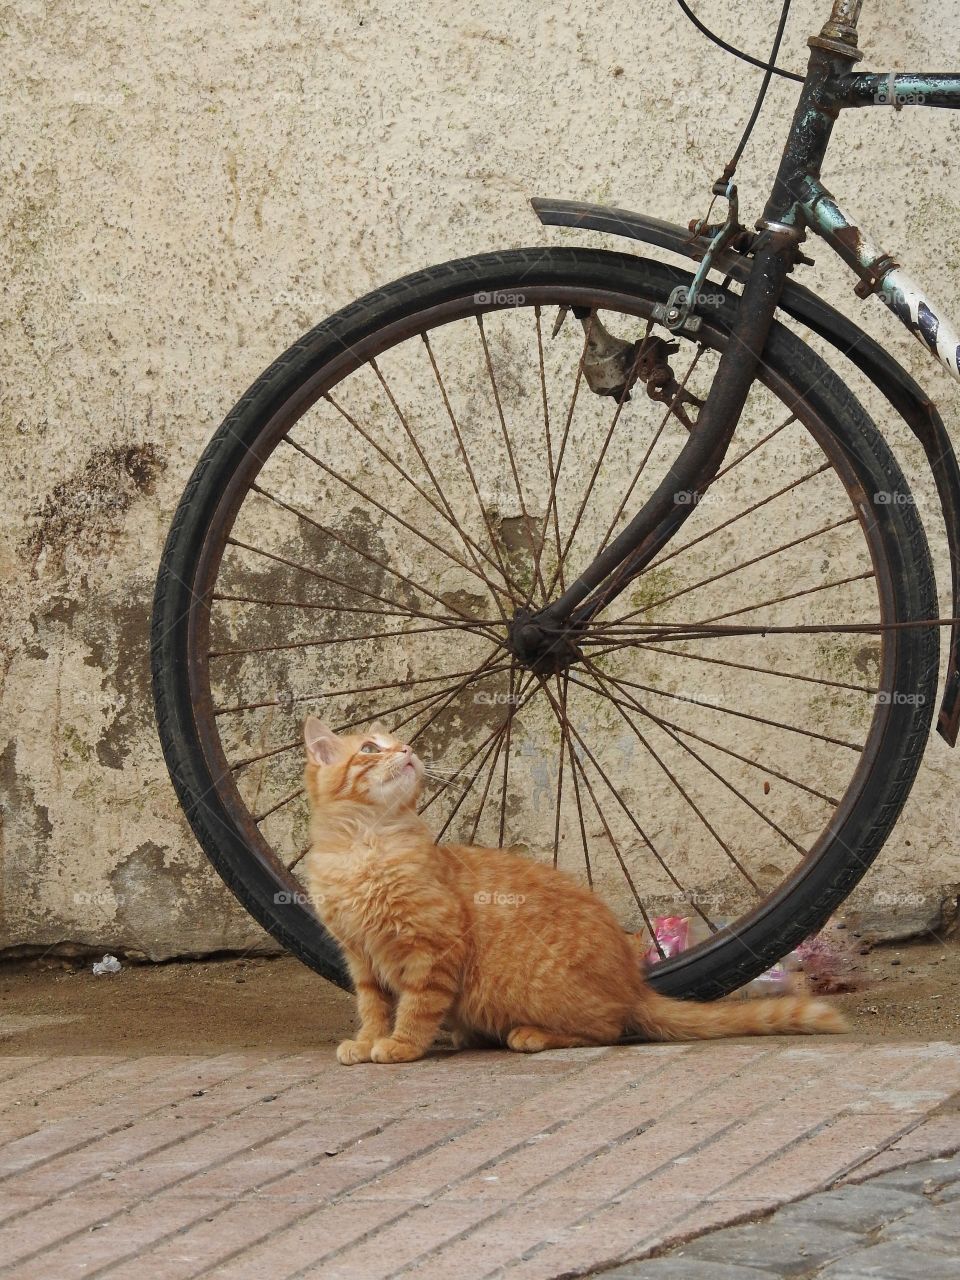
(730, 961)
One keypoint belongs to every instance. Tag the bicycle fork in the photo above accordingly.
(546, 640)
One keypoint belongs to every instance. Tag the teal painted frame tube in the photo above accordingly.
(880, 274)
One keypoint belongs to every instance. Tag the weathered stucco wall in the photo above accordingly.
(191, 186)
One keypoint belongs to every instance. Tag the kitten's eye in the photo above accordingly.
(369, 749)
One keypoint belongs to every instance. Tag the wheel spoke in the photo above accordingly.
(481, 671)
(613, 842)
(549, 444)
(430, 698)
(762, 502)
(474, 549)
(792, 595)
(397, 606)
(764, 440)
(574, 764)
(468, 787)
(523, 697)
(300, 856)
(665, 768)
(322, 641)
(293, 795)
(265, 755)
(552, 509)
(366, 555)
(317, 606)
(638, 706)
(621, 401)
(574, 778)
(613, 638)
(515, 590)
(760, 671)
(339, 693)
(746, 564)
(537, 577)
(764, 768)
(562, 689)
(742, 715)
(486, 790)
(626, 570)
(506, 752)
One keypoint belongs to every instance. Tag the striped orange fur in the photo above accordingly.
(498, 948)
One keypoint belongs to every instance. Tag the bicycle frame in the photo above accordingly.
(797, 204)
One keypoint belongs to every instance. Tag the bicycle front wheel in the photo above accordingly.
(363, 527)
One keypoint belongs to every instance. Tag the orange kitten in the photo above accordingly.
(498, 948)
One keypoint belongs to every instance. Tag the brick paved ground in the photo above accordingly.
(897, 1226)
(250, 1163)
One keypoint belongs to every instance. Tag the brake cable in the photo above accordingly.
(769, 68)
(731, 168)
(680, 304)
(737, 53)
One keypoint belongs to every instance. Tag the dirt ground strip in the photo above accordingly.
(906, 992)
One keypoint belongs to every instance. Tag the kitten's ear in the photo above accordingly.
(323, 745)
(379, 727)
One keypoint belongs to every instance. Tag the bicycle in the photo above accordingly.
(457, 505)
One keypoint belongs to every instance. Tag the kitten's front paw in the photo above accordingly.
(350, 1052)
(391, 1050)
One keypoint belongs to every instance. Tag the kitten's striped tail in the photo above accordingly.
(661, 1018)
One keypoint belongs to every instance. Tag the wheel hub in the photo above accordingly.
(542, 646)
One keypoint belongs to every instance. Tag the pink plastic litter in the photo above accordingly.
(677, 933)
(673, 935)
